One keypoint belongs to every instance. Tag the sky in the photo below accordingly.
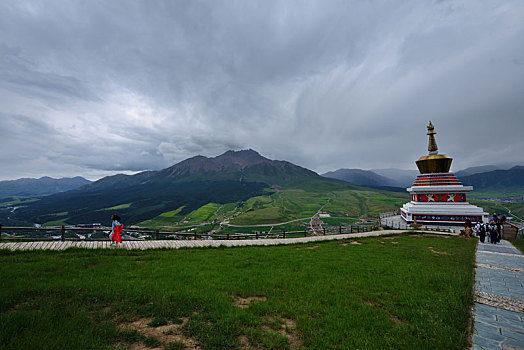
(95, 88)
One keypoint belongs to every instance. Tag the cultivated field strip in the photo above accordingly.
(175, 244)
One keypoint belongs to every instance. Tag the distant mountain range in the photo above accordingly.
(496, 179)
(272, 188)
(484, 169)
(481, 177)
(190, 184)
(360, 177)
(399, 177)
(42, 186)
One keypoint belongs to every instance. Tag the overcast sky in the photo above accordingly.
(93, 88)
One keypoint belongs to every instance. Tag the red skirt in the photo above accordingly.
(116, 233)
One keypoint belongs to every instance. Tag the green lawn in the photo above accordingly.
(407, 292)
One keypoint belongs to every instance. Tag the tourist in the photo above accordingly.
(477, 228)
(498, 225)
(493, 233)
(116, 230)
(482, 232)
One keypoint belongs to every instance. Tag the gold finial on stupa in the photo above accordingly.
(434, 162)
(432, 146)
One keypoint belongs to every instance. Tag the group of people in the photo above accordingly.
(491, 230)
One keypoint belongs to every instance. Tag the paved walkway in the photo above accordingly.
(499, 297)
(59, 245)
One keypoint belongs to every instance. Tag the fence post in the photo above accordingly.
(156, 234)
(63, 233)
(283, 233)
(196, 236)
(0, 231)
(256, 235)
(305, 233)
(324, 230)
(350, 228)
(340, 229)
(228, 236)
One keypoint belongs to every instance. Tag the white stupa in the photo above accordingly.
(437, 196)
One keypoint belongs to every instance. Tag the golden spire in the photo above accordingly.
(432, 146)
(434, 162)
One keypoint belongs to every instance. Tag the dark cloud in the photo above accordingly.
(92, 88)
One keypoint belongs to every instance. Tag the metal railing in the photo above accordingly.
(64, 233)
(398, 225)
(388, 214)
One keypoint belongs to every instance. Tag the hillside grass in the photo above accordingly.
(518, 243)
(515, 210)
(404, 292)
(298, 203)
(502, 192)
(168, 218)
(346, 205)
(9, 201)
(118, 207)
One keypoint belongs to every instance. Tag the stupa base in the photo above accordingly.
(442, 214)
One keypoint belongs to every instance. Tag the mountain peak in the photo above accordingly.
(242, 153)
(243, 158)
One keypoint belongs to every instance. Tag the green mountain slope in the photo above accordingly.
(359, 177)
(240, 187)
(498, 179)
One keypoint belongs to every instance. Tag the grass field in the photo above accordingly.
(296, 203)
(404, 292)
(502, 192)
(16, 201)
(519, 243)
(290, 204)
(515, 210)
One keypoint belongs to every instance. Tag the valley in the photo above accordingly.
(238, 192)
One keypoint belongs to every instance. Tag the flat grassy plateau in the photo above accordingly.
(402, 292)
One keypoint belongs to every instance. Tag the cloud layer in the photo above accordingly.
(99, 87)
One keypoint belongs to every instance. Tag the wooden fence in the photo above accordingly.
(157, 234)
